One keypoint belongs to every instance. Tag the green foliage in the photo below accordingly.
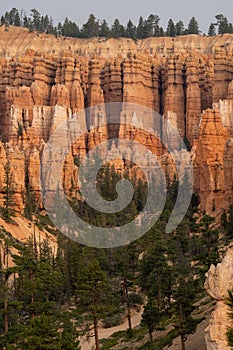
(171, 29)
(210, 241)
(179, 28)
(193, 27)
(161, 342)
(230, 337)
(131, 30)
(151, 316)
(69, 28)
(148, 27)
(229, 303)
(212, 30)
(91, 28)
(8, 210)
(42, 333)
(227, 224)
(104, 29)
(117, 29)
(223, 24)
(90, 285)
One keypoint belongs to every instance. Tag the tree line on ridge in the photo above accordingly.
(145, 28)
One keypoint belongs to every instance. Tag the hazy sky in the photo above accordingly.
(78, 10)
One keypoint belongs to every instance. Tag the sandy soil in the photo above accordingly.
(107, 332)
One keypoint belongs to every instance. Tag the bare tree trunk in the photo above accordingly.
(6, 316)
(96, 332)
(129, 318)
(151, 336)
(182, 336)
(126, 294)
(32, 297)
(182, 342)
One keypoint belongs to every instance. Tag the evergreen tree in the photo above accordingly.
(193, 27)
(124, 263)
(171, 29)
(209, 241)
(141, 33)
(27, 23)
(13, 17)
(36, 17)
(44, 333)
(161, 32)
(179, 28)
(212, 30)
(40, 285)
(5, 274)
(91, 28)
(223, 24)
(118, 30)
(70, 29)
(184, 293)
(227, 224)
(184, 296)
(131, 30)
(151, 317)
(155, 275)
(3, 20)
(229, 303)
(92, 295)
(59, 29)
(104, 29)
(152, 26)
(9, 203)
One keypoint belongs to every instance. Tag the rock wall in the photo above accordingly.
(218, 282)
(45, 81)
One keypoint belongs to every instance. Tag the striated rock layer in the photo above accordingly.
(218, 282)
(45, 81)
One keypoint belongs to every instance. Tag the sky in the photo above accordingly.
(78, 10)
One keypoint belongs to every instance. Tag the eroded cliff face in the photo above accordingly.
(218, 282)
(45, 81)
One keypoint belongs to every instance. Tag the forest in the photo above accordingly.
(145, 28)
(48, 299)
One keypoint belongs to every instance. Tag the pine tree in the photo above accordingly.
(141, 34)
(193, 27)
(131, 30)
(9, 203)
(13, 17)
(118, 30)
(92, 294)
(70, 29)
(104, 29)
(40, 284)
(36, 17)
(212, 30)
(3, 20)
(151, 317)
(227, 224)
(44, 333)
(229, 303)
(171, 29)
(179, 28)
(91, 28)
(152, 26)
(155, 275)
(184, 296)
(209, 240)
(223, 24)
